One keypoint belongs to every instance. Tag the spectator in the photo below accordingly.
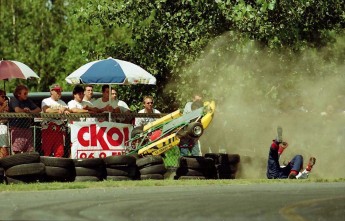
(188, 145)
(21, 133)
(292, 169)
(78, 105)
(104, 105)
(117, 101)
(54, 129)
(4, 144)
(188, 106)
(148, 109)
(88, 93)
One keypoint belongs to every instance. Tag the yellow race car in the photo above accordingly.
(159, 136)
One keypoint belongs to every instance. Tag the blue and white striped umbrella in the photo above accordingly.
(110, 71)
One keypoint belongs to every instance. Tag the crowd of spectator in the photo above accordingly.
(53, 130)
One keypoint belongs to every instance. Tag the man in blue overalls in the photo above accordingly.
(292, 169)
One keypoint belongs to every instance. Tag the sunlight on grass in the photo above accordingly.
(144, 183)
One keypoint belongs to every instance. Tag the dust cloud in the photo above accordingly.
(255, 92)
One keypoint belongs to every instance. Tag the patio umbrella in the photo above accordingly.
(110, 71)
(15, 69)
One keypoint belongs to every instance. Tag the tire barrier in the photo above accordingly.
(151, 167)
(31, 167)
(226, 164)
(196, 167)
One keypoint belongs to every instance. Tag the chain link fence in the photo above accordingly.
(23, 132)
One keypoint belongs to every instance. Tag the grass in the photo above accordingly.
(143, 183)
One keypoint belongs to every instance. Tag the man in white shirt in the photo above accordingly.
(77, 105)
(104, 105)
(53, 129)
(117, 101)
(148, 109)
(88, 93)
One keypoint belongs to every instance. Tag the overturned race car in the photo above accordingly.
(161, 135)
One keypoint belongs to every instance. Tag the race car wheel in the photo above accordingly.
(195, 129)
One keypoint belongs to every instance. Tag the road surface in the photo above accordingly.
(278, 201)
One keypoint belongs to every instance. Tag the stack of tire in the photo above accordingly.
(226, 164)
(151, 167)
(196, 167)
(23, 168)
(2, 174)
(89, 169)
(58, 169)
(120, 167)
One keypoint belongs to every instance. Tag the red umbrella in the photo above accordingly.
(15, 69)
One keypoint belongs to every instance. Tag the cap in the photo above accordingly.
(55, 87)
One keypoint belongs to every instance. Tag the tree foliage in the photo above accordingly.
(185, 43)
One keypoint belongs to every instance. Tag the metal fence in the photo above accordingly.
(29, 131)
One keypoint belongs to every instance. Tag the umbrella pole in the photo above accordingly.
(110, 101)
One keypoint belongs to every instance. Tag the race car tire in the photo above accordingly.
(195, 129)
(22, 158)
(155, 169)
(152, 177)
(149, 160)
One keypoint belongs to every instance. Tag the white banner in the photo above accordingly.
(98, 139)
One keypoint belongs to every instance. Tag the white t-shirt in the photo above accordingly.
(54, 105)
(187, 108)
(90, 102)
(141, 121)
(100, 104)
(75, 104)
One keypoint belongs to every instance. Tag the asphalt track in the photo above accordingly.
(278, 201)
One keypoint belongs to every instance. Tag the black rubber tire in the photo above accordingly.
(223, 158)
(57, 161)
(86, 171)
(120, 160)
(119, 178)
(2, 173)
(87, 178)
(149, 160)
(196, 162)
(126, 171)
(60, 174)
(21, 158)
(24, 179)
(26, 169)
(184, 171)
(155, 169)
(152, 177)
(226, 176)
(88, 162)
(231, 169)
(195, 129)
